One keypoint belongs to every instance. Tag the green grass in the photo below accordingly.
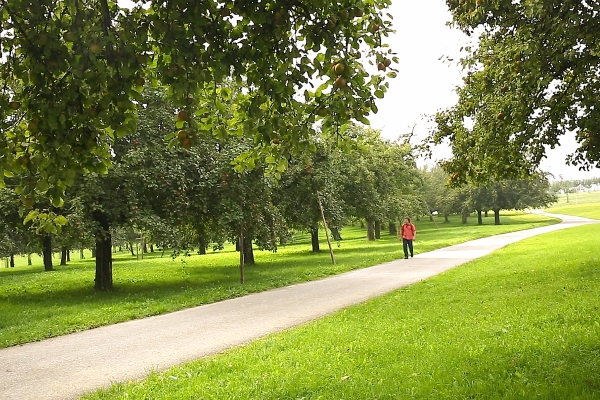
(35, 305)
(581, 204)
(589, 210)
(579, 198)
(521, 323)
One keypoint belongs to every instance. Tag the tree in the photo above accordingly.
(379, 179)
(437, 194)
(304, 184)
(531, 79)
(507, 195)
(71, 73)
(15, 238)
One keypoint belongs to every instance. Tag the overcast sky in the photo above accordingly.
(426, 84)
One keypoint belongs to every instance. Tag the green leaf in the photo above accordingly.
(283, 165)
(42, 186)
(49, 227)
(364, 120)
(60, 220)
(32, 215)
(58, 202)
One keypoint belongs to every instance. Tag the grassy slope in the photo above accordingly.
(35, 305)
(581, 204)
(521, 323)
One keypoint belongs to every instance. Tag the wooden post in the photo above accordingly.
(326, 229)
(242, 253)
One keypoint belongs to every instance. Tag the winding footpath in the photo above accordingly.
(66, 367)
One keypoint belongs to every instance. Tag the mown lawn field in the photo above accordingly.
(522, 323)
(35, 305)
(581, 204)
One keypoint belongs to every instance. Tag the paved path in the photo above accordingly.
(68, 366)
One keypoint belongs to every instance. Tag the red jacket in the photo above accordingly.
(408, 231)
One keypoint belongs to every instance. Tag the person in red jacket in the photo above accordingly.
(407, 233)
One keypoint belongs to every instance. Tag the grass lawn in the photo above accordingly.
(588, 207)
(579, 198)
(522, 323)
(35, 305)
(589, 210)
(580, 204)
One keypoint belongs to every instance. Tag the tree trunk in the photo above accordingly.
(131, 249)
(377, 229)
(446, 220)
(393, 229)
(152, 248)
(202, 245)
(81, 255)
(430, 217)
(464, 215)
(485, 213)
(362, 224)
(68, 255)
(479, 219)
(497, 217)
(12, 260)
(47, 253)
(314, 238)
(335, 232)
(370, 229)
(29, 259)
(94, 252)
(248, 251)
(104, 279)
(63, 255)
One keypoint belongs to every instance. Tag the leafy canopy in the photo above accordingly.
(533, 77)
(71, 73)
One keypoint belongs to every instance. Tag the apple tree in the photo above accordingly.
(71, 73)
(531, 78)
(306, 184)
(380, 179)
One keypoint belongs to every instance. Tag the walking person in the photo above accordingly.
(407, 233)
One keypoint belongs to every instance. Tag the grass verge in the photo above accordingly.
(521, 323)
(35, 305)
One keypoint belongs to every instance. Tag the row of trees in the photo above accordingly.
(182, 198)
(493, 196)
(570, 185)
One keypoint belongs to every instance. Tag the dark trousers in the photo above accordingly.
(407, 245)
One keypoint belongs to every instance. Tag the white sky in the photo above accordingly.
(426, 84)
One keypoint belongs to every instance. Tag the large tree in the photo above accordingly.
(531, 78)
(71, 72)
(380, 176)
